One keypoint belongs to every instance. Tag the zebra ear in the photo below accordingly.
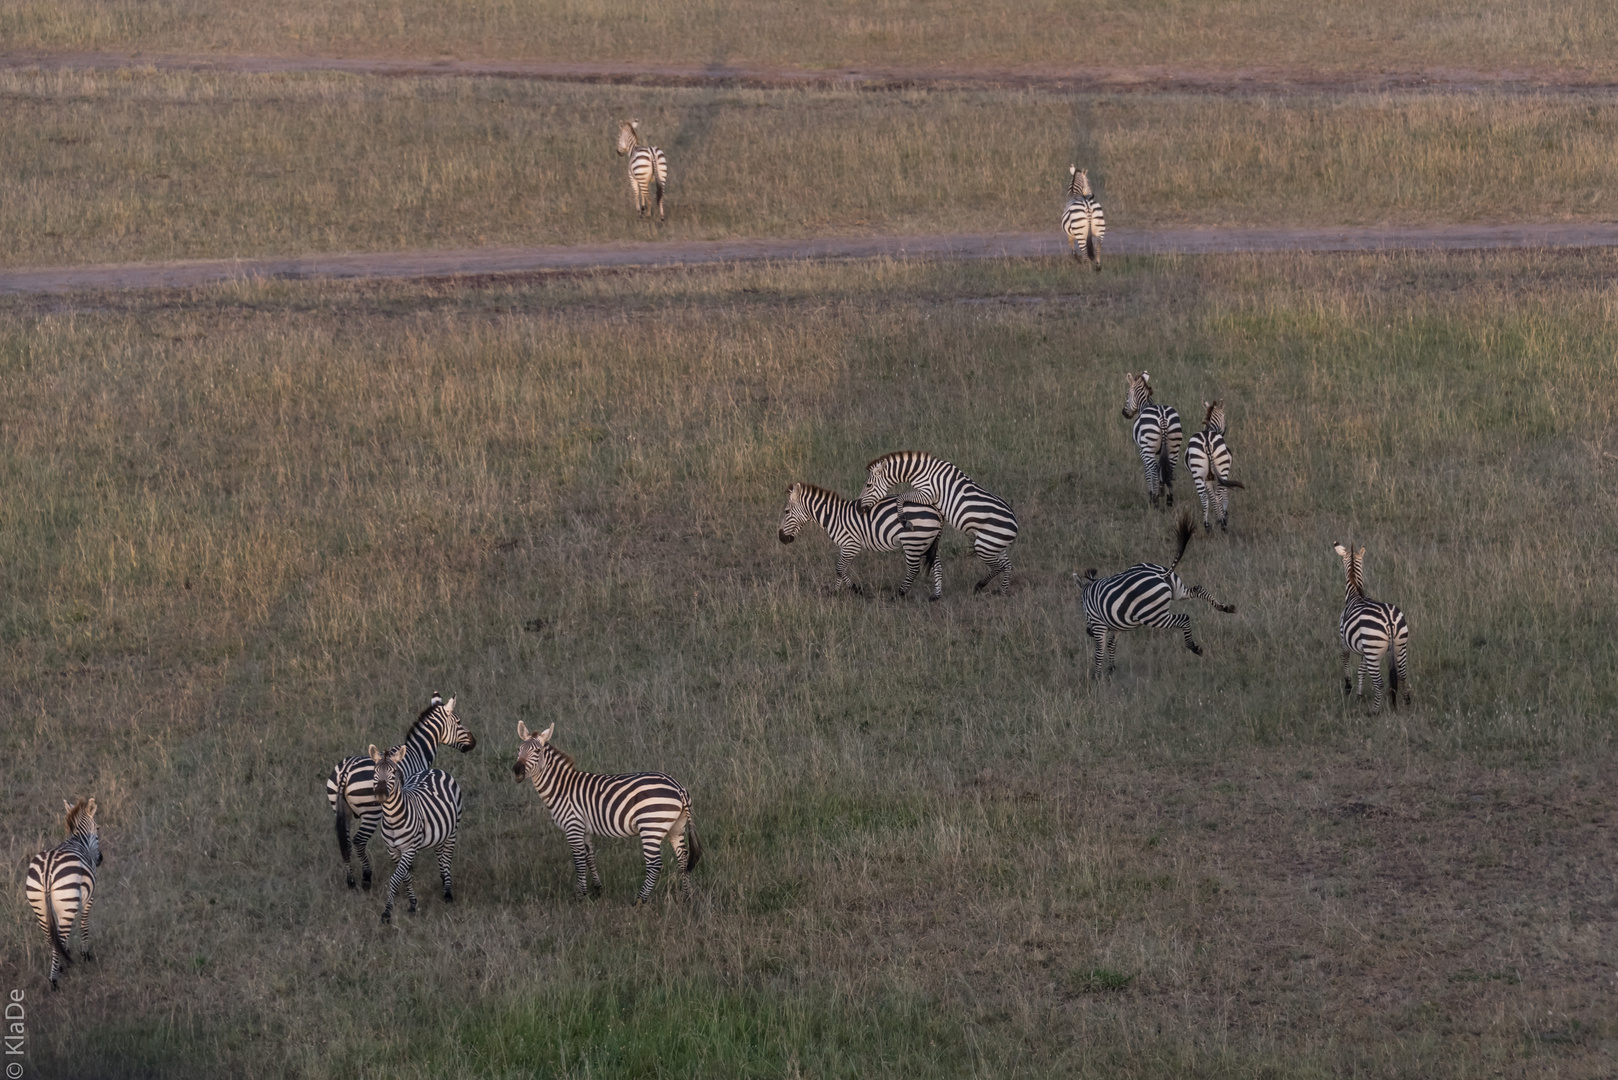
(90, 807)
(450, 705)
(1071, 169)
(545, 736)
(522, 731)
(376, 755)
(66, 805)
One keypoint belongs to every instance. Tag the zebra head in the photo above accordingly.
(628, 136)
(534, 751)
(440, 722)
(81, 824)
(1080, 184)
(389, 776)
(880, 475)
(1214, 418)
(795, 516)
(1138, 393)
(1353, 566)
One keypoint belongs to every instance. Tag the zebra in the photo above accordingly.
(982, 516)
(1370, 628)
(1140, 596)
(61, 884)
(648, 167)
(649, 805)
(1207, 458)
(892, 525)
(1157, 435)
(351, 787)
(1082, 219)
(420, 808)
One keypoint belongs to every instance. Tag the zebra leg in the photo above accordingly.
(651, 846)
(1092, 248)
(84, 924)
(1348, 673)
(937, 566)
(1098, 634)
(1203, 494)
(446, 852)
(1112, 650)
(1149, 460)
(1179, 620)
(1224, 508)
(913, 560)
(1168, 473)
(682, 856)
(1401, 671)
(362, 836)
(1376, 683)
(401, 875)
(661, 216)
(843, 557)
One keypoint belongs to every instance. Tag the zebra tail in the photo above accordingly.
(1226, 482)
(1185, 534)
(54, 924)
(342, 822)
(1168, 463)
(691, 833)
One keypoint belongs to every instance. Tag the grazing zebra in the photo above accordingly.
(893, 525)
(351, 787)
(647, 168)
(1208, 460)
(982, 516)
(1082, 219)
(649, 805)
(420, 808)
(1157, 435)
(1369, 627)
(61, 884)
(1140, 596)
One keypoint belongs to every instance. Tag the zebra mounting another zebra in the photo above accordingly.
(648, 169)
(1207, 458)
(891, 525)
(1082, 220)
(351, 787)
(420, 808)
(652, 806)
(61, 885)
(1371, 628)
(986, 518)
(1141, 596)
(1157, 435)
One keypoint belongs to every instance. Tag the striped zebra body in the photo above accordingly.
(648, 169)
(892, 525)
(351, 787)
(1207, 458)
(651, 806)
(987, 519)
(1082, 220)
(420, 808)
(61, 885)
(1157, 433)
(1140, 596)
(1370, 629)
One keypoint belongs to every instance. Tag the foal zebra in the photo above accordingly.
(1082, 219)
(61, 884)
(649, 805)
(351, 787)
(648, 168)
(982, 516)
(1208, 460)
(892, 525)
(1140, 596)
(1370, 628)
(420, 808)
(1157, 435)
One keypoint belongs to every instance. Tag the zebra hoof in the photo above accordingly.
(54, 987)
(449, 897)
(1197, 650)
(351, 883)
(88, 957)
(935, 598)
(387, 916)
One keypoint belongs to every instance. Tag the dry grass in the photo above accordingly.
(247, 530)
(140, 166)
(1199, 33)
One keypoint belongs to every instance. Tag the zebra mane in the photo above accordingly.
(1208, 415)
(426, 714)
(917, 454)
(75, 812)
(816, 489)
(567, 758)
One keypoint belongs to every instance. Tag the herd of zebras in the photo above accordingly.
(417, 806)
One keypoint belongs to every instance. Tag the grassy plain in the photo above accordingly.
(139, 165)
(247, 530)
(1203, 34)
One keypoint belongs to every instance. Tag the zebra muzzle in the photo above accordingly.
(786, 537)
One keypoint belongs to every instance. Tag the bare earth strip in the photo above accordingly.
(1142, 79)
(529, 260)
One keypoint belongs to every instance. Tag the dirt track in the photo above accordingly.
(542, 260)
(1150, 79)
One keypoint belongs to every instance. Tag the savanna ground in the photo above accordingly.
(248, 529)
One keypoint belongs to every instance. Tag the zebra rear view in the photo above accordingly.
(892, 525)
(986, 518)
(1083, 223)
(1371, 629)
(1208, 460)
(652, 806)
(1157, 434)
(61, 885)
(648, 169)
(1140, 596)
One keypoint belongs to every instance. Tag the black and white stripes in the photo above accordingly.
(649, 805)
(1083, 223)
(420, 808)
(648, 169)
(1207, 458)
(1371, 629)
(988, 520)
(61, 884)
(1157, 435)
(891, 525)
